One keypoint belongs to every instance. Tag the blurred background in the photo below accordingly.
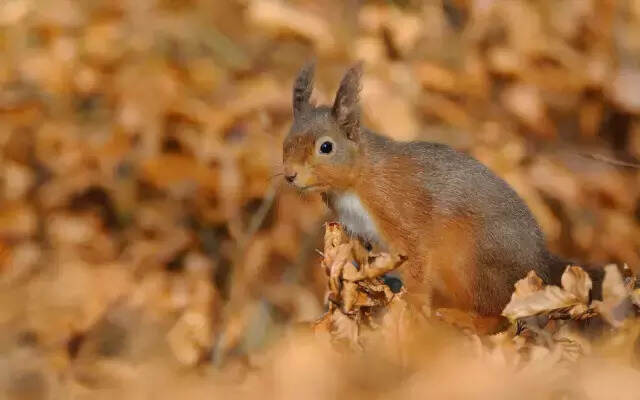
(145, 235)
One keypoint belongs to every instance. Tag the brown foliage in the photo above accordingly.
(148, 248)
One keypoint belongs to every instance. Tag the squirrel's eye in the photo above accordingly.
(326, 147)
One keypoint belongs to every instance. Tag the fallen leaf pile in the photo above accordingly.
(149, 247)
(559, 322)
(565, 319)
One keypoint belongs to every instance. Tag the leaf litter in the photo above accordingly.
(551, 327)
(139, 141)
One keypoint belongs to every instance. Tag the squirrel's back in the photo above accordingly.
(444, 187)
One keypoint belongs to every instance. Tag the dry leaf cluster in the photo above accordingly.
(149, 250)
(358, 297)
(553, 330)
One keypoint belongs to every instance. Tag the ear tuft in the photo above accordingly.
(346, 107)
(302, 88)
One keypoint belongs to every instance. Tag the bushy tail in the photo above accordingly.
(557, 267)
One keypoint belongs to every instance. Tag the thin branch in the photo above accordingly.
(258, 217)
(608, 160)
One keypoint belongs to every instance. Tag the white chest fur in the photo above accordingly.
(355, 217)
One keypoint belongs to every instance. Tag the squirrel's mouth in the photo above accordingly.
(312, 188)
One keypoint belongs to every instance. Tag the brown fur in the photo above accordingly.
(440, 249)
(468, 236)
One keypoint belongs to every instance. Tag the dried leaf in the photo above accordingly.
(550, 298)
(530, 284)
(344, 328)
(616, 305)
(529, 299)
(577, 282)
(135, 134)
(339, 258)
(382, 264)
(348, 295)
(355, 289)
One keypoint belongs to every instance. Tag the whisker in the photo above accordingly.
(272, 177)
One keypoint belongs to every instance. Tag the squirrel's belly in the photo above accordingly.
(355, 217)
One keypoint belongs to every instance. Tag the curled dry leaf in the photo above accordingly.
(356, 289)
(333, 235)
(340, 258)
(381, 264)
(349, 296)
(530, 298)
(576, 281)
(530, 284)
(372, 293)
(616, 303)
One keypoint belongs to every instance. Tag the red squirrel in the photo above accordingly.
(468, 237)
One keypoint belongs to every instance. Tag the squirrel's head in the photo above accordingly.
(320, 152)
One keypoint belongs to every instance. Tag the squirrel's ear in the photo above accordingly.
(302, 88)
(346, 107)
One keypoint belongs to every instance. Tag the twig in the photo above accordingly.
(258, 218)
(608, 160)
(238, 288)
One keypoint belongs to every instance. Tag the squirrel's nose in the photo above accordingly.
(290, 178)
